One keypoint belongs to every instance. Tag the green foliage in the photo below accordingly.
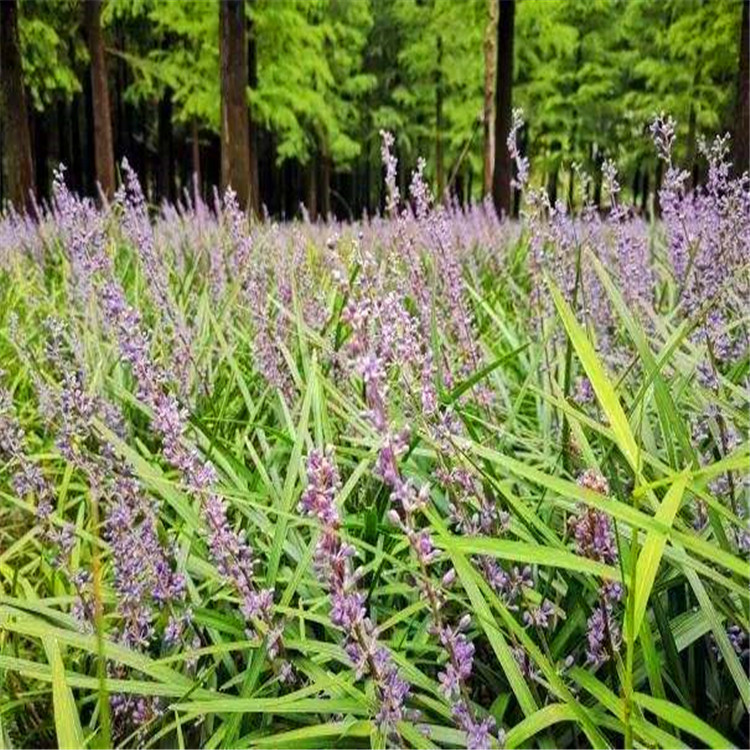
(52, 52)
(589, 73)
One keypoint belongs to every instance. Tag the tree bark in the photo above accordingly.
(552, 184)
(195, 147)
(252, 80)
(325, 186)
(104, 158)
(16, 137)
(40, 154)
(742, 118)
(489, 86)
(691, 145)
(166, 175)
(571, 187)
(439, 166)
(235, 133)
(658, 177)
(311, 178)
(636, 183)
(501, 178)
(644, 193)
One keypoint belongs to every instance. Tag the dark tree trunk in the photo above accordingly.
(41, 154)
(368, 182)
(501, 179)
(252, 80)
(166, 175)
(691, 140)
(489, 83)
(598, 159)
(2, 160)
(657, 188)
(195, 149)
(439, 167)
(552, 184)
(325, 186)
(65, 154)
(121, 133)
(235, 134)
(87, 142)
(636, 183)
(644, 193)
(76, 144)
(104, 158)
(571, 187)
(742, 118)
(16, 137)
(311, 185)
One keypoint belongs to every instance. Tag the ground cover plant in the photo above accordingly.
(426, 480)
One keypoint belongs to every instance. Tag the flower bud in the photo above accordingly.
(449, 578)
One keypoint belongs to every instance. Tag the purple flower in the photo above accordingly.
(602, 636)
(333, 565)
(540, 616)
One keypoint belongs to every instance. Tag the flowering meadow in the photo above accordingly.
(425, 480)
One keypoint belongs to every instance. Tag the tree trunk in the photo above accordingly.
(87, 139)
(368, 181)
(742, 118)
(2, 160)
(64, 116)
(439, 167)
(165, 176)
(104, 158)
(16, 137)
(489, 85)
(644, 193)
(235, 134)
(552, 184)
(501, 178)
(252, 80)
(195, 148)
(636, 183)
(571, 187)
(41, 154)
(691, 140)
(76, 144)
(658, 177)
(325, 186)
(311, 180)
(598, 160)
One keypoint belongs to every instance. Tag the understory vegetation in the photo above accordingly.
(425, 480)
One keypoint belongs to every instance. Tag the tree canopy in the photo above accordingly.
(331, 74)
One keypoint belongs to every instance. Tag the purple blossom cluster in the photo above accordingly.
(594, 539)
(386, 307)
(229, 549)
(333, 563)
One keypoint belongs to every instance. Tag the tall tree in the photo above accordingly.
(16, 137)
(501, 180)
(489, 85)
(742, 119)
(104, 158)
(439, 166)
(235, 122)
(252, 80)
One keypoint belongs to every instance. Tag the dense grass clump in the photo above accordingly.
(426, 480)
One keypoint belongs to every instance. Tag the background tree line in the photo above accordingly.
(284, 99)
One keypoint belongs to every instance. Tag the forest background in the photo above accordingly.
(285, 99)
